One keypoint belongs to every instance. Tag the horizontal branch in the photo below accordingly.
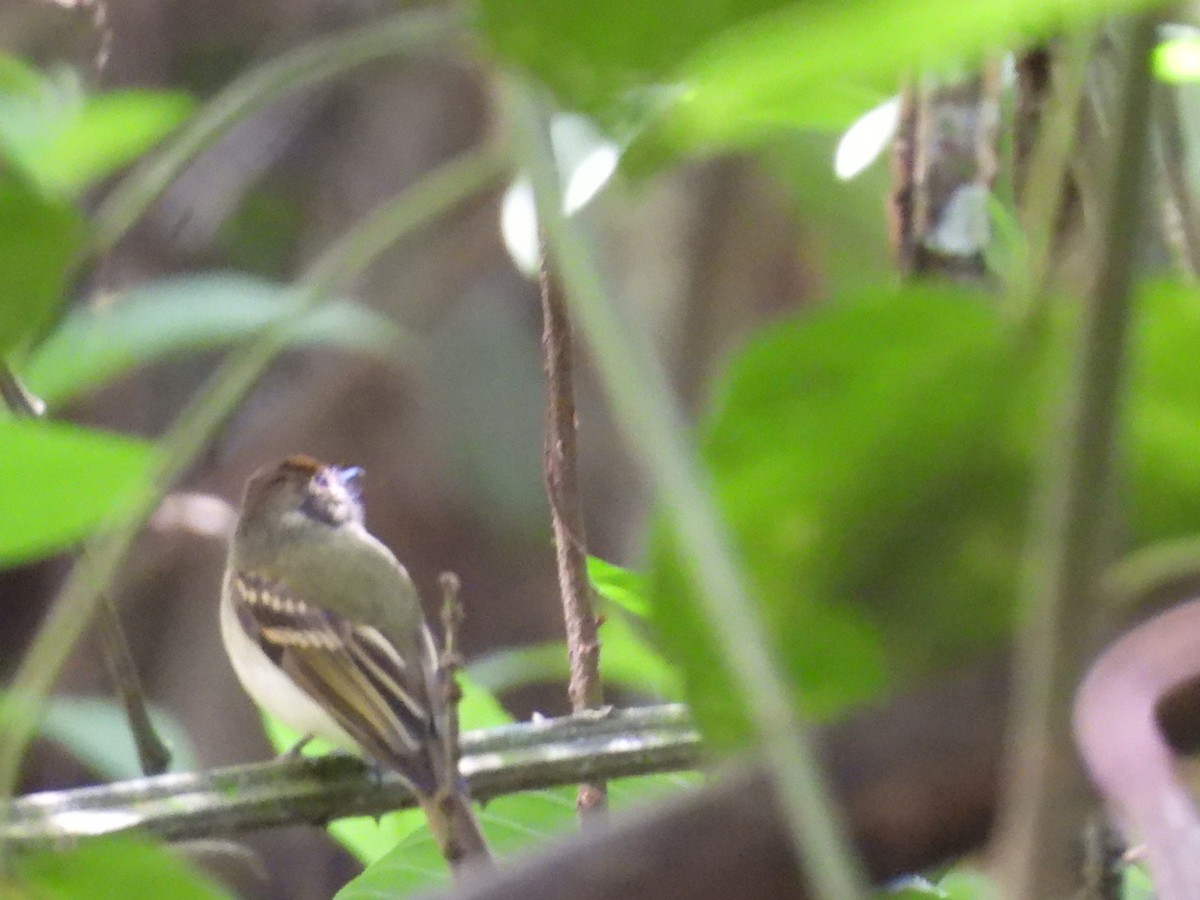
(496, 761)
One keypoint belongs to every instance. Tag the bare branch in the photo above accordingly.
(496, 761)
(566, 511)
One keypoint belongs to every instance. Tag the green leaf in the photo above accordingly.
(624, 587)
(94, 345)
(64, 139)
(1136, 884)
(965, 883)
(127, 867)
(479, 707)
(16, 77)
(871, 460)
(513, 667)
(813, 64)
(109, 131)
(1164, 414)
(370, 838)
(96, 731)
(57, 482)
(614, 60)
(628, 656)
(628, 659)
(909, 893)
(512, 824)
(38, 240)
(699, 75)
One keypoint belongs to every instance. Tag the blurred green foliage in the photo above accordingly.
(65, 138)
(39, 236)
(872, 459)
(687, 76)
(96, 731)
(863, 459)
(58, 482)
(513, 823)
(1162, 493)
(873, 462)
(126, 867)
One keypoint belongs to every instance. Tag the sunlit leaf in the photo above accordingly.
(624, 587)
(57, 482)
(964, 883)
(126, 867)
(1164, 414)
(629, 659)
(38, 239)
(612, 59)
(699, 75)
(512, 824)
(808, 64)
(64, 138)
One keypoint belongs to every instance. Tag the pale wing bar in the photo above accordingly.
(351, 670)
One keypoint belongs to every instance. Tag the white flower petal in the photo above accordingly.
(865, 139)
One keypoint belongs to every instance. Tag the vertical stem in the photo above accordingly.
(1040, 825)
(560, 459)
(154, 756)
(653, 425)
(944, 168)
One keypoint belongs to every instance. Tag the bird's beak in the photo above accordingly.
(350, 476)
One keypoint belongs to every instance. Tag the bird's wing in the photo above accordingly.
(351, 670)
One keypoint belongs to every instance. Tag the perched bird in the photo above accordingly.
(325, 631)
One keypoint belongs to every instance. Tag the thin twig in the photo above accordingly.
(560, 461)
(528, 756)
(154, 756)
(451, 662)
(1071, 536)
(653, 425)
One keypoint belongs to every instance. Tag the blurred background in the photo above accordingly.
(450, 438)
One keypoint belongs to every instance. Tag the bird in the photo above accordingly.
(325, 631)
